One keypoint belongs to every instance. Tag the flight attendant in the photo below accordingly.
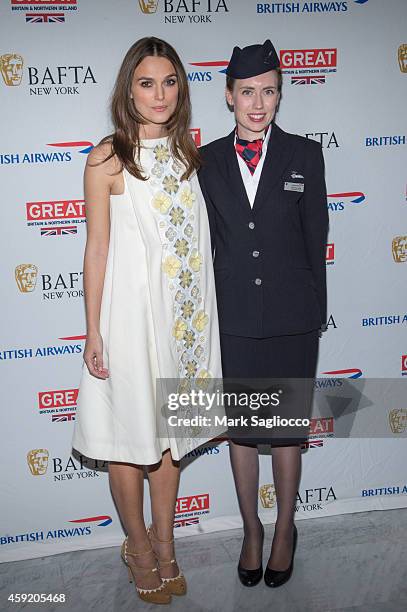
(266, 199)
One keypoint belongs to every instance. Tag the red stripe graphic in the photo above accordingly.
(91, 519)
(77, 143)
(73, 338)
(347, 194)
(209, 63)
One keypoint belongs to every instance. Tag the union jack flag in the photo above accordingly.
(59, 231)
(186, 522)
(67, 416)
(308, 80)
(312, 444)
(47, 18)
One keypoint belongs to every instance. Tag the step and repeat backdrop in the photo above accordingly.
(345, 78)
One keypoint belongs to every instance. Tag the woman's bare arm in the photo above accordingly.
(100, 181)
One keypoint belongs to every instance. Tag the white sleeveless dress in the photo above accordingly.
(158, 315)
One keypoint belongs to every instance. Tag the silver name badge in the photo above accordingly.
(293, 186)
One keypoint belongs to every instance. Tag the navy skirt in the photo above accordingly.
(291, 357)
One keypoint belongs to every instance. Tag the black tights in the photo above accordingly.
(286, 474)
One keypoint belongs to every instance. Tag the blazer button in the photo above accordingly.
(251, 225)
(258, 281)
(256, 253)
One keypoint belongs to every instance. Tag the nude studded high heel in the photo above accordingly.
(160, 595)
(177, 585)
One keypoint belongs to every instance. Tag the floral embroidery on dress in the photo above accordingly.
(182, 247)
(177, 216)
(188, 230)
(189, 339)
(185, 278)
(179, 296)
(195, 261)
(161, 153)
(187, 197)
(187, 309)
(175, 202)
(171, 233)
(176, 167)
(170, 184)
(195, 292)
(184, 386)
(198, 351)
(179, 329)
(191, 368)
(203, 379)
(200, 320)
(157, 170)
(171, 266)
(162, 202)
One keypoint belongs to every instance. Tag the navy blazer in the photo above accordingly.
(269, 260)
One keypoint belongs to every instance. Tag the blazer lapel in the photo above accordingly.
(279, 153)
(232, 171)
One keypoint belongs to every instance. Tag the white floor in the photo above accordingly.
(353, 562)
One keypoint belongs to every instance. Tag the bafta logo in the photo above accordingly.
(11, 66)
(267, 495)
(398, 420)
(399, 249)
(37, 460)
(26, 277)
(148, 6)
(402, 55)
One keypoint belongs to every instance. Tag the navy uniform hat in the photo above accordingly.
(252, 60)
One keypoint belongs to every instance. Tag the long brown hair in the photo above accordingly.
(125, 140)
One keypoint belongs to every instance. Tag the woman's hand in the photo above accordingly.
(93, 356)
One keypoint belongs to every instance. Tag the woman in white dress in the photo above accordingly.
(150, 304)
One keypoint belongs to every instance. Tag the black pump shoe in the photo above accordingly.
(248, 577)
(274, 578)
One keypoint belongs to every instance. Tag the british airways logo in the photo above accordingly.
(83, 529)
(338, 201)
(334, 378)
(347, 373)
(105, 520)
(85, 146)
(273, 8)
(385, 141)
(378, 321)
(63, 154)
(206, 70)
(72, 347)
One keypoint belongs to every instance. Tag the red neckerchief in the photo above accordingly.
(250, 150)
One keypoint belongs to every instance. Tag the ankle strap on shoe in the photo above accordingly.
(162, 563)
(142, 571)
(126, 553)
